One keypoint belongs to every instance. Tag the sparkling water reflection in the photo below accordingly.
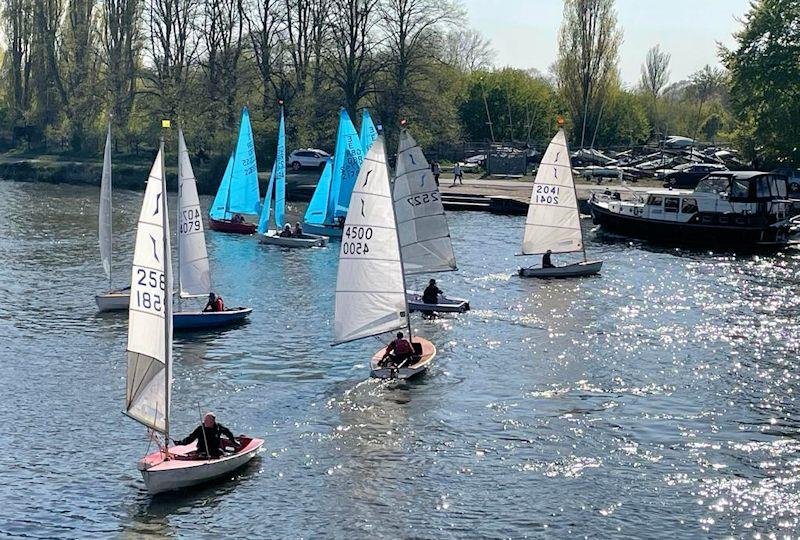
(657, 399)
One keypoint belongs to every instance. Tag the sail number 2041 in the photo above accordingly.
(355, 240)
(150, 291)
(546, 194)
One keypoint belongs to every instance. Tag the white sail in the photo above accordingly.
(150, 311)
(194, 273)
(421, 221)
(370, 287)
(553, 221)
(104, 215)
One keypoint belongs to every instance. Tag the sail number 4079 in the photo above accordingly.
(150, 293)
(190, 221)
(355, 240)
(546, 194)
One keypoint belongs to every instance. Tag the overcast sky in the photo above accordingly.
(524, 33)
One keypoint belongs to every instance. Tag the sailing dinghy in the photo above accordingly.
(367, 132)
(553, 221)
(277, 184)
(113, 300)
(238, 194)
(328, 207)
(149, 354)
(194, 274)
(422, 224)
(370, 283)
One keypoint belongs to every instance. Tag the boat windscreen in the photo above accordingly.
(718, 185)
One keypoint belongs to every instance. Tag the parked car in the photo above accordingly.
(793, 177)
(308, 158)
(688, 175)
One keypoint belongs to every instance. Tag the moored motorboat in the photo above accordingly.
(424, 353)
(273, 238)
(444, 304)
(186, 468)
(578, 269)
(737, 210)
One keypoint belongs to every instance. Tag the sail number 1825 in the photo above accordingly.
(150, 291)
(355, 240)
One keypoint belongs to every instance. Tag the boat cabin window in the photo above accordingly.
(777, 185)
(689, 206)
(740, 189)
(762, 187)
(671, 204)
(655, 200)
(717, 185)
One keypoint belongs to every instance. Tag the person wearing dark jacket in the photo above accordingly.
(546, 262)
(208, 435)
(431, 293)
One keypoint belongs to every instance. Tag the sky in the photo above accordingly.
(524, 33)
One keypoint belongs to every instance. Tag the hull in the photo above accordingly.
(445, 304)
(428, 350)
(732, 235)
(306, 241)
(331, 231)
(226, 225)
(200, 320)
(581, 269)
(162, 475)
(113, 301)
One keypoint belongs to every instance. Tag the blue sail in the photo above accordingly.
(347, 159)
(317, 208)
(368, 132)
(244, 196)
(263, 221)
(279, 170)
(220, 205)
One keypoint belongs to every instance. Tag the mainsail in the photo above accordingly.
(104, 215)
(347, 159)
(553, 222)
(277, 183)
(238, 192)
(318, 207)
(194, 275)
(368, 133)
(149, 369)
(370, 286)
(421, 221)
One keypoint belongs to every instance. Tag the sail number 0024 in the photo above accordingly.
(190, 221)
(355, 240)
(151, 295)
(546, 194)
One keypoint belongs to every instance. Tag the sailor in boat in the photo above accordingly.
(397, 352)
(546, 262)
(297, 232)
(214, 303)
(431, 293)
(208, 437)
(286, 232)
(237, 218)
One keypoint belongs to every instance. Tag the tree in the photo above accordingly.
(586, 67)
(264, 27)
(655, 76)
(764, 74)
(705, 84)
(47, 88)
(223, 38)
(121, 45)
(18, 16)
(468, 51)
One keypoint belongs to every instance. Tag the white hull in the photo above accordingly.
(306, 241)
(445, 304)
(580, 269)
(179, 474)
(112, 301)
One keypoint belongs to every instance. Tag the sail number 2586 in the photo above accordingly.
(355, 240)
(545, 194)
(150, 293)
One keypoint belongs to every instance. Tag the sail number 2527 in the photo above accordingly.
(355, 240)
(425, 198)
(150, 293)
(546, 194)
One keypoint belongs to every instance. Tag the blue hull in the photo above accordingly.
(323, 230)
(199, 320)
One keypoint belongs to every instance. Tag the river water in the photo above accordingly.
(656, 399)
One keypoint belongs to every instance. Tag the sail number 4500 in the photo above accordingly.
(545, 194)
(354, 241)
(151, 297)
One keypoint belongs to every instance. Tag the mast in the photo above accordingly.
(399, 251)
(178, 206)
(110, 211)
(167, 297)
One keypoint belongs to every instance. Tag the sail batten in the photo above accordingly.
(105, 228)
(194, 273)
(553, 221)
(421, 220)
(370, 287)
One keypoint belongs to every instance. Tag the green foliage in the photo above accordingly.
(623, 121)
(765, 90)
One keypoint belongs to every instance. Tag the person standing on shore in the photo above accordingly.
(458, 174)
(436, 170)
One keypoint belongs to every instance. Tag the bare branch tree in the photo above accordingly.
(264, 27)
(18, 17)
(223, 37)
(468, 51)
(121, 43)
